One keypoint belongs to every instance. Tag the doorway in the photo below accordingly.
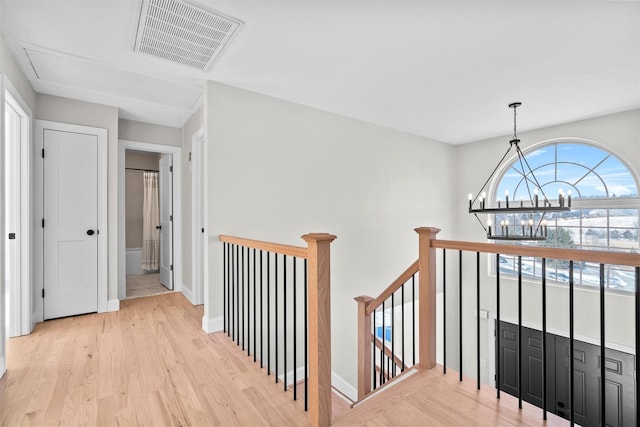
(167, 158)
(17, 309)
(148, 228)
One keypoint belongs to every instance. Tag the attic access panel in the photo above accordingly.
(183, 33)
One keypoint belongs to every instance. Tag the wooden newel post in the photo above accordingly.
(319, 303)
(365, 341)
(427, 296)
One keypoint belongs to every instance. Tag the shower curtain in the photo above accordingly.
(150, 219)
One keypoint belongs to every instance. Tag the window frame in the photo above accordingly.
(608, 203)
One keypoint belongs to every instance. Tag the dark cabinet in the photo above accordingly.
(619, 376)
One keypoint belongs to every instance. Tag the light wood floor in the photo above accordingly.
(151, 364)
(147, 364)
(431, 398)
(142, 285)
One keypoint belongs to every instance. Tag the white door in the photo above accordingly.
(70, 223)
(166, 221)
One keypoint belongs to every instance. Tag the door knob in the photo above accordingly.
(158, 227)
(90, 232)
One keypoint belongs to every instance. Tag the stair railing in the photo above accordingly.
(264, 321)
(369, 324)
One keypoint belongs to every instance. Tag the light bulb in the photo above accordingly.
(489, 222)
(569, 192)
(506, 222)
(535, 191)
(530, 222)
(522, 222)
(506, 193)
(470, 196)
(484, 195)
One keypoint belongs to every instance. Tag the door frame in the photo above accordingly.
(26, 316)
(103, 232)
(176, 152)
(198, 265)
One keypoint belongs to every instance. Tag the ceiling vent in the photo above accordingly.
(183, 33)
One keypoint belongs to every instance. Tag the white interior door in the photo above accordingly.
(12, 220)
(71, 232)
(166, 221)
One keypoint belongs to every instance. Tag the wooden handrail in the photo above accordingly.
(580, 255)
(388, 353)
(394, 286)
(296, 251)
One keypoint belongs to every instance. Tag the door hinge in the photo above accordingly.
(12, 236)
(171, 267)
(170, 217)
(42, 292)
(43, 153)
(171, 168)
(42, 222)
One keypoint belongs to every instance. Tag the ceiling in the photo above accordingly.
(442, 69)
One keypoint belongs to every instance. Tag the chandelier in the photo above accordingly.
(528, 216)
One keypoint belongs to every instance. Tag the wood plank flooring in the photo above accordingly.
(143, 285)
(431, 398)
(151, 364)
(148, 364)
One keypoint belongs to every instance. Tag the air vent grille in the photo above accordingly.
(183, 33)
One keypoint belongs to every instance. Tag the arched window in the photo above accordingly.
(604, 213)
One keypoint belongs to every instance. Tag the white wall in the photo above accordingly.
(620, 133)
(278, 170)
(192, 125)
(101, 116)
(147, 132)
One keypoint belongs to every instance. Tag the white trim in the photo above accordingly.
(213, 324)
(343, 387)
(176, 152)
(188, 294)
(113, 305)
(27, 322)
(197, 189)
(3, 367)
(299, 376)
(103, 229)
(3, 339)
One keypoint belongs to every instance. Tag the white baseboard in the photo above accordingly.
(113, 305)
(343, 387)
(299, 376)
(188, 294)
(212, 324)
(3, 368)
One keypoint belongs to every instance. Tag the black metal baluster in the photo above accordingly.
(384, 333)
(268, 315)
(261, 315)
(295, 348)
(248, 325)
(460, 308)
(520, 331)
(637, 343)
(255, 353)
(393, 351)
(402, 313)
(241, 301)
(544, 339)
(284, 320)
(275, 287)
(602, 351)
(237, 331)
(444, 311)
(571, 341)
(306, 390)
(224, 284)
(497, 326)
(373, 351)
(413, 315)
(478, 317)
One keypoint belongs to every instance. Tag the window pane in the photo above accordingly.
(593, 174)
